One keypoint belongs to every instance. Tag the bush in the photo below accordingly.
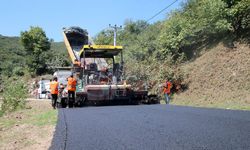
(14, 94)
(154, 72)
(1, 113)
(19, 71)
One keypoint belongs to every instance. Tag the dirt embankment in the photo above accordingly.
(27, 129)
(219, 78)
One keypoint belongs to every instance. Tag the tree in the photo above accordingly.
(196, 22)
(105, 37)
(238, 14)
(36, 44)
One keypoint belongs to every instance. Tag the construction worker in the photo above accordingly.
(61, 87)
(54, 91)
(41, 88)
(71, 86)
(35, 88)
(166, 91)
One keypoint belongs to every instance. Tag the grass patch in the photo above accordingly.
(221, 105)
(28, 128)
(29, 117)
(6, 123)
(1, 113)
(46, 118)
(34, 116)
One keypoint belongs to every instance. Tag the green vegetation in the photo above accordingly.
(154, 52)
(42, 55)
(27, 127)
(60, 57)
(32, 115)
(46, 118)
(12, 57)
(19, 63)
(220, 105)
(35, 44)
(15, 59)
(14, 95)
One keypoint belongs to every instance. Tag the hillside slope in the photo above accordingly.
(13, 55)
(219, 78)
(8, 43)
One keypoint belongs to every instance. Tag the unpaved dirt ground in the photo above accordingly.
(219, 78)
(31, 128)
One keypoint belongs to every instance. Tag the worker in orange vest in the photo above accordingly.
(54, 91)
(71, 86)
(166, 90)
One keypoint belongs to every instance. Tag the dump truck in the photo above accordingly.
(99, 70)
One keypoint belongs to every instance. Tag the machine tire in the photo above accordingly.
(58, 105)
(134, 102)
(63, 103)
(71, 104)
(154, 100)
(81, 103)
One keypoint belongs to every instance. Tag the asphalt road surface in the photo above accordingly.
(151, 127)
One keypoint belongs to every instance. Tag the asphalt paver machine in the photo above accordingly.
(99, 72)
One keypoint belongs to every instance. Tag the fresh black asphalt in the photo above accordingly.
(151, 127)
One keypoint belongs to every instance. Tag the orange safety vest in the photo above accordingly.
(167, 88)
(54, 87)
(71, 84)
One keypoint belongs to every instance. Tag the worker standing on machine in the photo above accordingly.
(54, 91)
(71, 86)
